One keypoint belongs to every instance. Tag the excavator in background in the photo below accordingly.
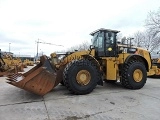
(4, 68)
(28, 62)
(81, 71)
(9, 65)
(18, 63)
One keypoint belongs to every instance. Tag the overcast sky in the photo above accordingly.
(66, 22)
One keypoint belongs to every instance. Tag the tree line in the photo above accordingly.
(148, 39)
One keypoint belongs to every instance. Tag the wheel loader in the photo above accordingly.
(5, 67)
(28, 62)
(81, 71)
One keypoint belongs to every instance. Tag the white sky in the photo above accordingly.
(66, 22)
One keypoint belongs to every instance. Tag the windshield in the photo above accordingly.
(94, 40)
(97, 40)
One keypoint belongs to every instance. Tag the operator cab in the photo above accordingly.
(104, 41)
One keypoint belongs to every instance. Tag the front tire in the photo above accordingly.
(81, 76)
(134, 75)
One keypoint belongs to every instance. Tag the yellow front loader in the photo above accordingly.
(81, 71)
(28, 62)
(6, 67)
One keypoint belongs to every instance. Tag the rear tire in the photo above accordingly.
(134, 75)
(81, 76)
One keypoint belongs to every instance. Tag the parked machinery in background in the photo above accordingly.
(28, 62)
(9, 65)
(4, 68)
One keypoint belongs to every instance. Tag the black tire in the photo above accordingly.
(128, 80)
(70, 76)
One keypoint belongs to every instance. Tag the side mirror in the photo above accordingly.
(91, 47)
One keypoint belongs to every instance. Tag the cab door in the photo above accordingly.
(110, 44)
(99, 45)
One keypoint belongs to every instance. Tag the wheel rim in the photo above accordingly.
(83, 77)
(137, 75)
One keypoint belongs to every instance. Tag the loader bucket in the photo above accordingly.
(40, 79)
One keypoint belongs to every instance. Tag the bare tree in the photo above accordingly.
(150, 38)
(138, 39)
(151, 41)
(83, 46)
(153, 22)
(146, 39)
(153, 30)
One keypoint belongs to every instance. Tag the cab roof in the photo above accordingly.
(103, 29)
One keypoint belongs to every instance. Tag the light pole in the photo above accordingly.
(37, 49)
(41, 52)
(9, 47)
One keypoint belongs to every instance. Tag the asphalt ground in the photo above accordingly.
(108, 102)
